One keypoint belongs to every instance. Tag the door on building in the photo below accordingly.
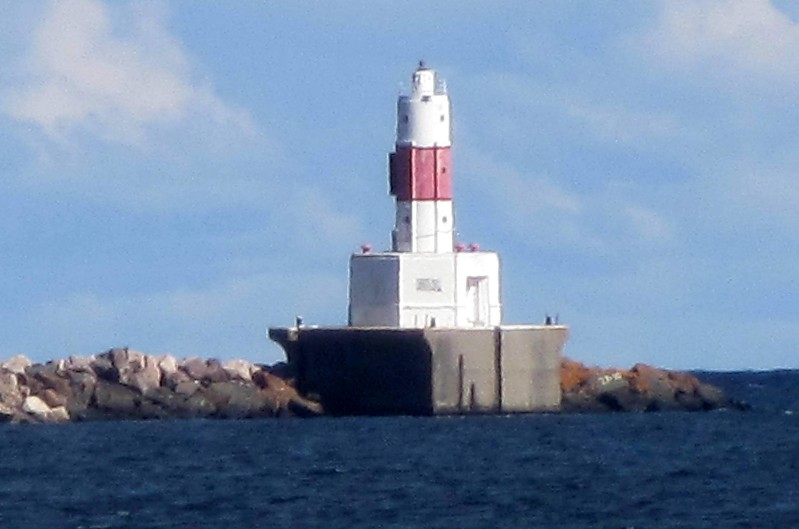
(477, 300)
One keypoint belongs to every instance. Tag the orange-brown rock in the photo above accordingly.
(641, 388)
(573, 374)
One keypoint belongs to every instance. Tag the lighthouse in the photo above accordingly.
(424, 334)
(420, 168)
(424, 279)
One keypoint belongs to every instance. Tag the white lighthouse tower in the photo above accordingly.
(420, 175)
(425, 280)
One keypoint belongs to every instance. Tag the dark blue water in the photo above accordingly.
(719, 469)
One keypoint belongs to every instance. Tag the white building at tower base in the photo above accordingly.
(456, 289)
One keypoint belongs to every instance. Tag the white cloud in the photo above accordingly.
(525, 108)
(733, 39)
(730, 71)
(113, 73)
(620, 124)
(540, 208)
(531, 204)
(523, 195)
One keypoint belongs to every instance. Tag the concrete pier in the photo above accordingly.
(427, 371)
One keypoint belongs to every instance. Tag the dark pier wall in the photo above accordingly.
(431, 371)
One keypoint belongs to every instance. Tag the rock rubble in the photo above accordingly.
(642, 388)
(126, 384)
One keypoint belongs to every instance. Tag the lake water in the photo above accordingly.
(718, 469)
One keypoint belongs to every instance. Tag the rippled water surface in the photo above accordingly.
(720, 469)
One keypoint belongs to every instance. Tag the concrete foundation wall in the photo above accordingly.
(499, 370)
(531, 367)
(388, 371)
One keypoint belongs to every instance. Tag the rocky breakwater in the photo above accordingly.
(640, 389)
(126, 384)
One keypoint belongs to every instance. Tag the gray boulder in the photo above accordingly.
(208, 371)
(237, 400)
(162, 402)
(7, 413)
(40, 377)
(198, 405)
(82, 384)
(104, 368)
(195, 368)
(35, 406)
(54, 399)
(39, 410)
(238, 370)
(168, 365)
(16, 364)
(78, 363)
(146, 378)
(10, 392)
(116, 401)
(173, 379)
(187, 388)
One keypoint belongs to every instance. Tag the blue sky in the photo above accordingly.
(178, 176)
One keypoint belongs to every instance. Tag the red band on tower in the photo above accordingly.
(421, 173)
